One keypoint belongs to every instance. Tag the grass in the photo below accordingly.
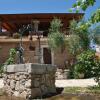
(91, 90)
(74, 97)
(78, 93)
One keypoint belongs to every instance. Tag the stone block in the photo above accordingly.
(28, 83)
(20, 68)
(21, 88)
(12, 84)
(23, 94)
(43, 79)
(44, 89)
(35, 92)
(36, 83)
(38, 69)
(15, 68)
(9, 68)
(17, 87)
(51, 68)
(16, 93)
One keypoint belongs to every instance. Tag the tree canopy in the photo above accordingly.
(82, 5)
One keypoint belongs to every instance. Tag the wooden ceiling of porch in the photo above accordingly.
(12, 22)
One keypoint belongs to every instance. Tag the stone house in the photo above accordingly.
(40, 23)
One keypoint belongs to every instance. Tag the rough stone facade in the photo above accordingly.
(59, 57)
(29, 80)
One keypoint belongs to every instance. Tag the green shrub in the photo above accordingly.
(71, 74)
(85, 64)
(11, 59)
(96, 71)
(79, 69)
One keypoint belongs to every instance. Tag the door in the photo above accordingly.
(47, 56)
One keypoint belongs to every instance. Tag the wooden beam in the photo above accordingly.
(6, 26)
(13, 26)
(26, 20)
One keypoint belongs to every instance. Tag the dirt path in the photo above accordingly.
(75, 83)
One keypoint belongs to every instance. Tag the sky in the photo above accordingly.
(41, 6)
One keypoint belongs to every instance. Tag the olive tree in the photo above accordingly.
(81, 30)
(56, 37)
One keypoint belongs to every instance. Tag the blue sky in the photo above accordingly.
(40, 6)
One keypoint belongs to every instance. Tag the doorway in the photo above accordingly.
(47, 56)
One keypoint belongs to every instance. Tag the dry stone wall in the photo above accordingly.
(29, 80)
(62, 74)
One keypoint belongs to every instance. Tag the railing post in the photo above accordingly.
(0, 25)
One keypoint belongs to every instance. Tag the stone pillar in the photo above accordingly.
(29, 80)
(36, 25)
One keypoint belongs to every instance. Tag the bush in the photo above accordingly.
(78, 70)
(71, 74)
(96, 71)
(11, 59)
(85, 64)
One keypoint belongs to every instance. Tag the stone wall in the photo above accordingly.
(62, 74)
(29, 80)
(7, 45)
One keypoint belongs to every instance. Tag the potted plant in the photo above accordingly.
(16, 35)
